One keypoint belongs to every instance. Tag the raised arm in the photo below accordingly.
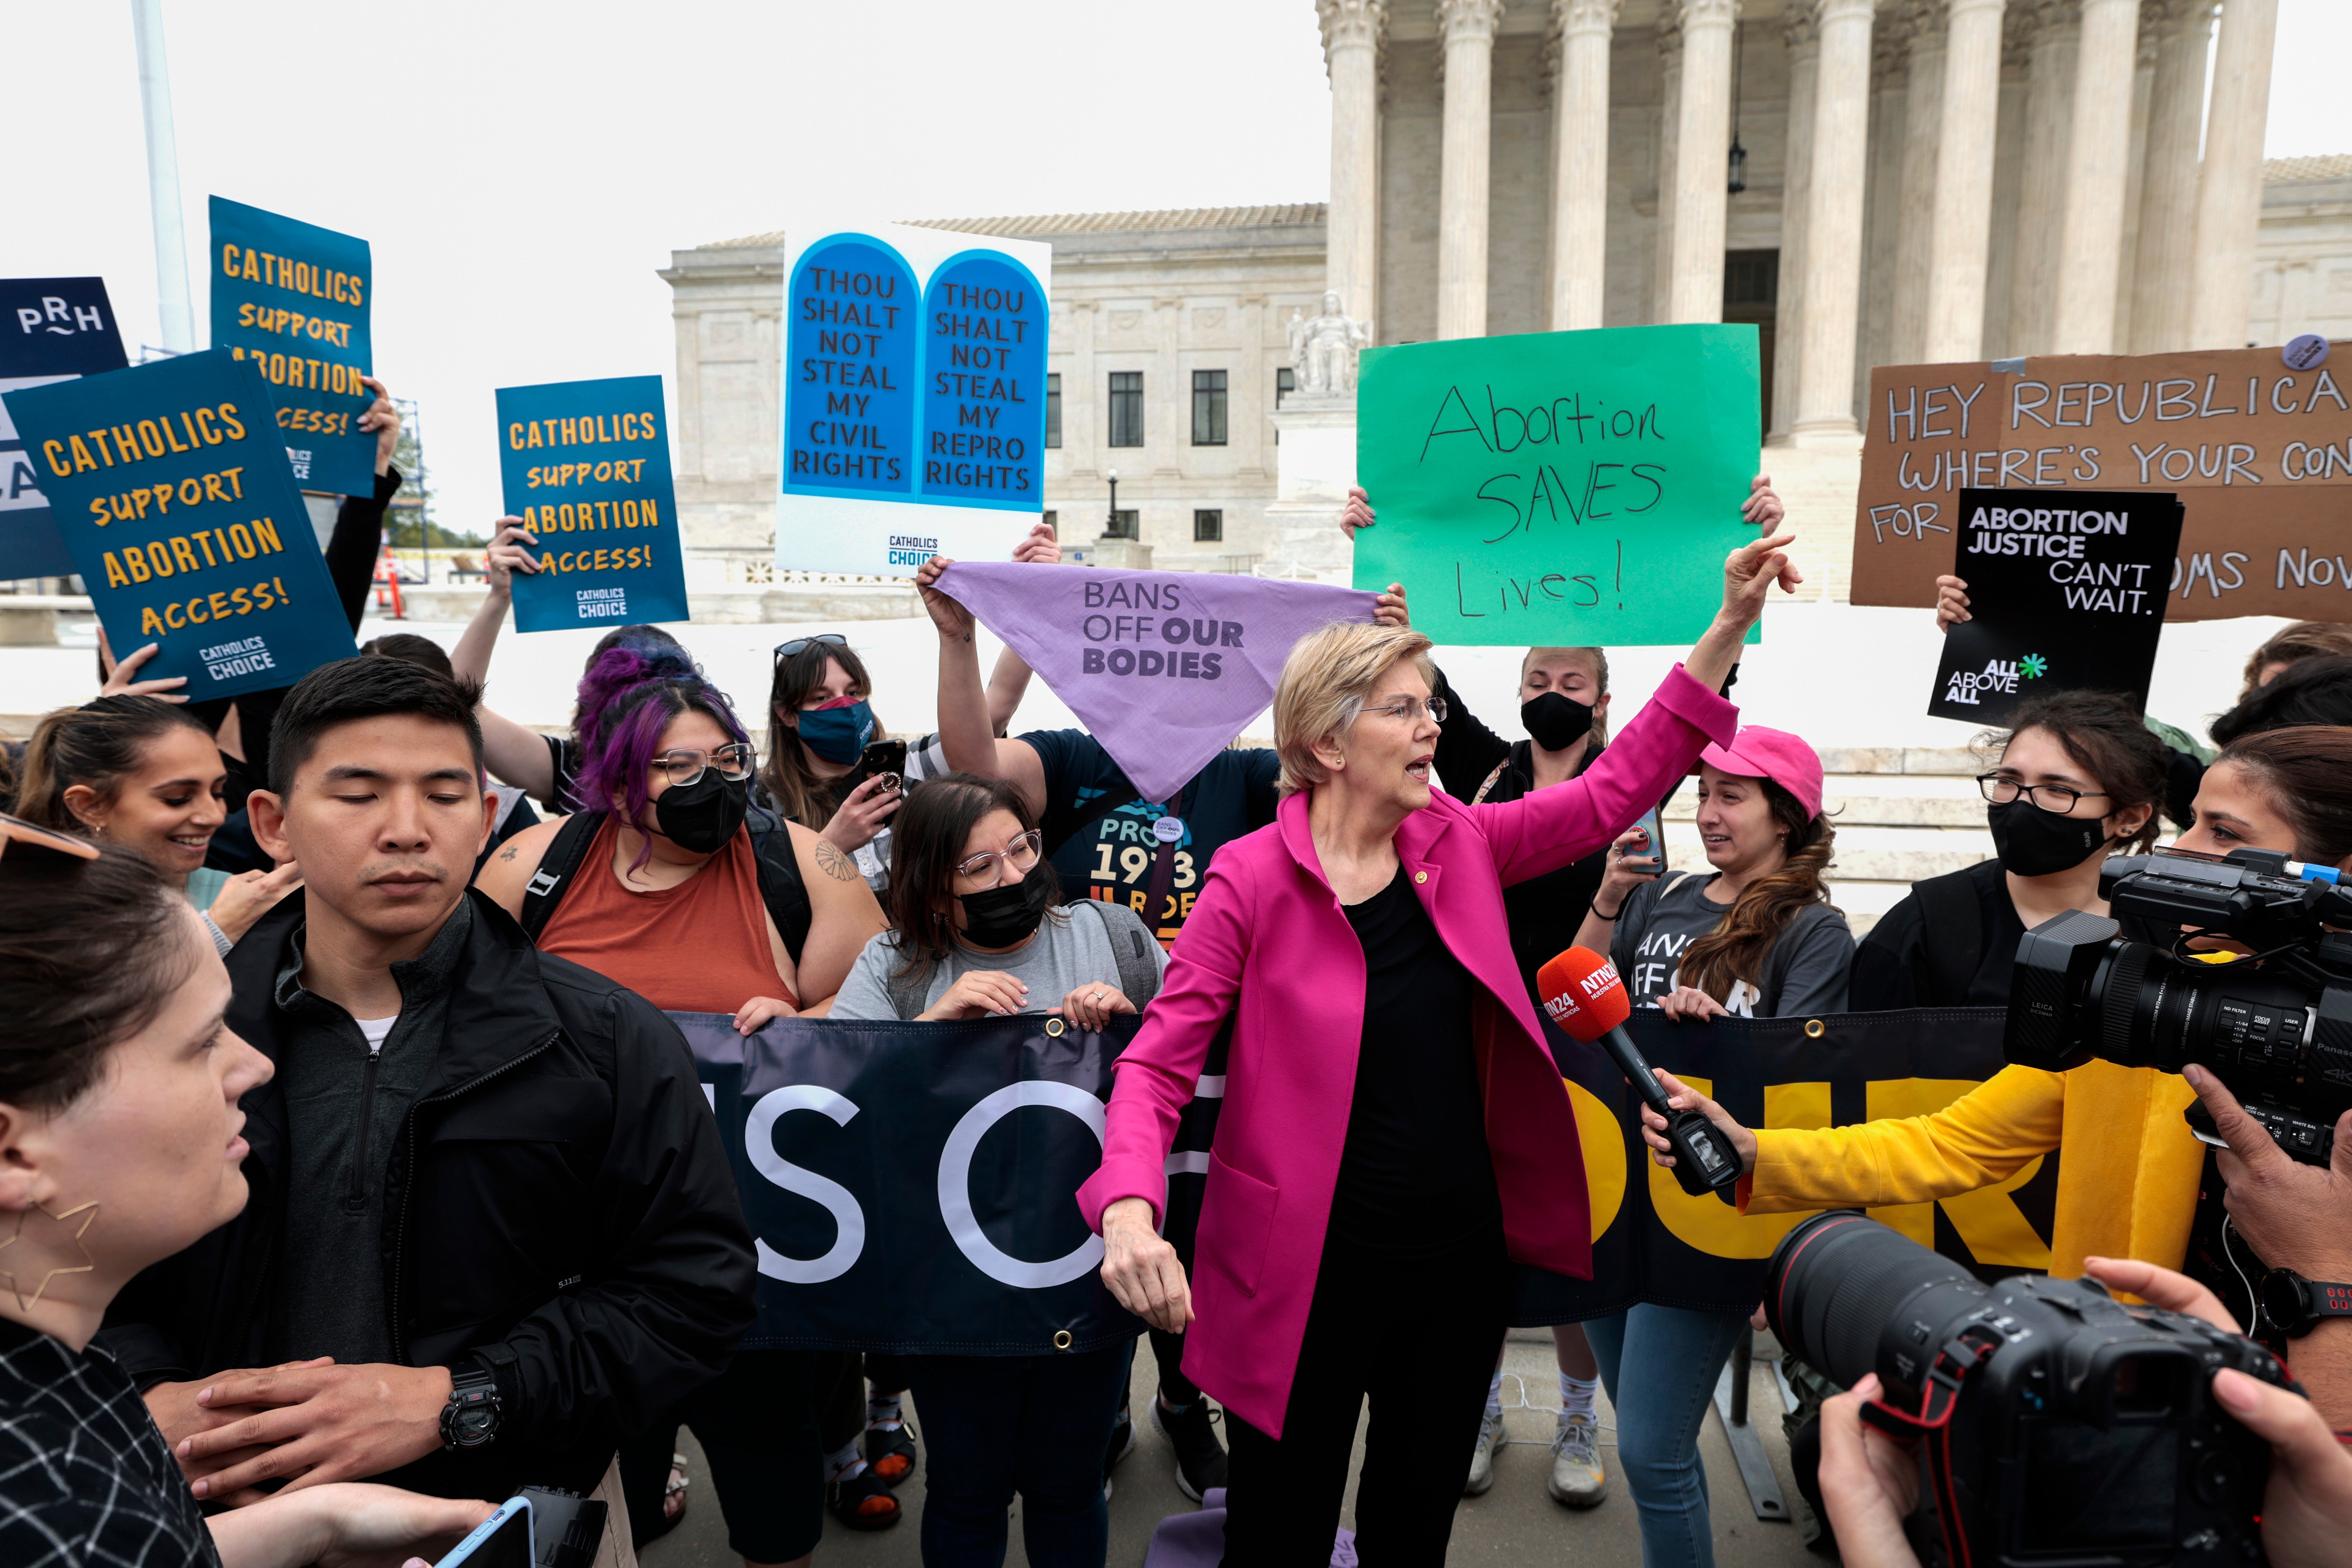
(513, 754)
(966, 736)
(844, 916)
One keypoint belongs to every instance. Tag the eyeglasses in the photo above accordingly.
(1409, 708)
(2054, 798)
(16, 830)
(684, 767)
(803, 644)
(1021, 854)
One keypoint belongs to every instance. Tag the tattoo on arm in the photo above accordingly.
(512, 850)
(834, 864)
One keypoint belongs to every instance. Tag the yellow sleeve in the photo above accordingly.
(1979, 1139)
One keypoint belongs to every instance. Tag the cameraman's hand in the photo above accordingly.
(1682, 1097)
(2307, 1507)
(2163, 1288)
(1869, 1484)
(2293, 1215)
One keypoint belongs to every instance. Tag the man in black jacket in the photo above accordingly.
(491, 1229)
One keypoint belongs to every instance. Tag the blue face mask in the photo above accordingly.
(837, 734)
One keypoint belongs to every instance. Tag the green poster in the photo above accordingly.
(1559, 488)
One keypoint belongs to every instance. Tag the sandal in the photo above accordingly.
(674, 1491)
(890, 1450)
(863, 1501)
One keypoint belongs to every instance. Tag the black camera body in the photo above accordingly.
(2276, 1027)
(2064, 1426)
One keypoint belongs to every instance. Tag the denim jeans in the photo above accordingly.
(996, 1424)
(1660, 1366)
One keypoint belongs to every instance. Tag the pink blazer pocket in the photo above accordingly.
(1236, 1224)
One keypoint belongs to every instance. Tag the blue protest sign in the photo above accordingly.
(294, 298)
(188, 530)
(51, 329)
(913, 397)
(585, 465)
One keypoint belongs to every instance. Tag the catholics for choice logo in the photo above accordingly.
(2000, 676)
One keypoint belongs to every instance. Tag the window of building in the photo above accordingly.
(1053, 408)
(1054, 521)
(1208, 408)
(1127, 408)
(1207, 528)
(1124, 523)
(1285, 382)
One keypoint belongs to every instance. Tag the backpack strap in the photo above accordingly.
(1130, 949)
(1478, 797)
(782, 888)
(1952, 925)
(562, 857)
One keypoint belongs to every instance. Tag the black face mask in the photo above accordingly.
(1555, 721)
(2031, 842)
(702, 816)
(1002, 915)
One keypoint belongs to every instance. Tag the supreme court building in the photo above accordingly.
(1869, 182)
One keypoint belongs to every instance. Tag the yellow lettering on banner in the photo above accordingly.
(1602, 1140)
(1714, 1227)
(1987, 1219)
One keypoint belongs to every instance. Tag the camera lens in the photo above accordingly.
(1841, 1295)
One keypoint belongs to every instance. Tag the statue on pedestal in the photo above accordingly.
(1323, 350)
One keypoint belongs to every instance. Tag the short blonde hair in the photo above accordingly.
(1599, 659)
(1325, 682)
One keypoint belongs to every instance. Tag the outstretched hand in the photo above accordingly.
(1749, 572)
(950, 617)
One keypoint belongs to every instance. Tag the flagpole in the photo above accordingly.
(163, 179)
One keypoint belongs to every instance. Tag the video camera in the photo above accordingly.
(2064, 1426)
(2277, 1026)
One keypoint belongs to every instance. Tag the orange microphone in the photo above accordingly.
(1583, 996)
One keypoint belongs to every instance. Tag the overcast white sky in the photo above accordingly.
(521, 170)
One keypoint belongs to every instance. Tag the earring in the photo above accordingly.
(76, 1232)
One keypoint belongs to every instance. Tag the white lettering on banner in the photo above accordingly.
(760, 1145)
(955, 1185)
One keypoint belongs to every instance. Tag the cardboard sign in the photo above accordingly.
(51, 329)
(913, 397)
(2066, 593)
(168, 484)
(585, 465)
(1572, 488)
(2258, 452)
(295, 299)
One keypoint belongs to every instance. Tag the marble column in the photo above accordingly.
(2042, 201)
(1961, 230)
(1804, 48)
(1833, 285)
(1466, 32)
(1351, 42)
(1882, 200)
(1670, 122)
(1702, 183)
(2098, 167)
(2230, 184)
(1923, 129)
(2142, 90)
(1580, 163)
(2167, 198)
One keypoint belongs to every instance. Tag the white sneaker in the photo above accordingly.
(1482, 1458)
(1577, 1477)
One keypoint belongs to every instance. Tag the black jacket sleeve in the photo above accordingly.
(672, 1293)
(352, 549)
(1467, 750)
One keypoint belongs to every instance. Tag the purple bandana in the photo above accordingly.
(1163, 667)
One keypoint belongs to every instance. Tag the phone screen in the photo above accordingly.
(501, 1540)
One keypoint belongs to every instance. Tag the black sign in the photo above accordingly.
(2066, 591)
(912, 1184)
(51, 329)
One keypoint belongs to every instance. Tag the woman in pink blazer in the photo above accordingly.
(1394, 1132)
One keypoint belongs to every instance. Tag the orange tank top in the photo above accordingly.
(699, 948)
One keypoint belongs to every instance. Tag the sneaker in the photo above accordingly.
(1482, 1458)
(1200, 1458)
(1577, 1477)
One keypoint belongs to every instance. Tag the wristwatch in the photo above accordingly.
(470, 1419)
(2295, 1305)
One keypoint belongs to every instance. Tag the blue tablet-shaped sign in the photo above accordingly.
(849, 417)
(585, 465)
(169, 484)
(295, 299)
(983, 382)
(51, 329)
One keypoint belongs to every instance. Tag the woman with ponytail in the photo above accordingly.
(1754, 937)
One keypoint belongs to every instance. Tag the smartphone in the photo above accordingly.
(1649, 854)
(884, 756)
(501, 1540)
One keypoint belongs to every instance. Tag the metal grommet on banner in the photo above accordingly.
(1053, 1026)
(1815, 1029)
(1061, 1339)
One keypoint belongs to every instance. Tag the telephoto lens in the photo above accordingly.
(1841, 1286)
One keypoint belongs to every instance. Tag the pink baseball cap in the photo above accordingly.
(1756, 752)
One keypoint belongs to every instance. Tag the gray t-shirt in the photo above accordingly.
(1072, 949)
(1661, 918)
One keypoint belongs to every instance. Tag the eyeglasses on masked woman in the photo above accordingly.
(2054, 798)
(986, 869)
(685, 765)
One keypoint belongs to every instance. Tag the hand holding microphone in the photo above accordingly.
(1584, 997)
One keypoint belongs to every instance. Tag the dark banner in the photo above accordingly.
(51, 329)
(911, 1185)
